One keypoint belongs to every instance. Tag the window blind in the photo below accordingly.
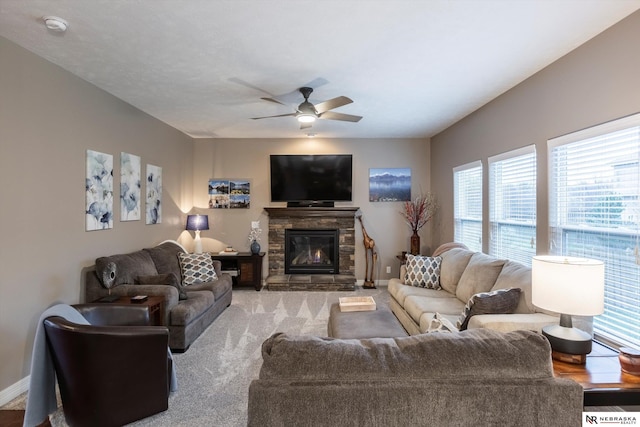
(595, 213)
(467, 205)
(512, 205)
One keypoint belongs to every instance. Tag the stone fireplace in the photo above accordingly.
(323, 256)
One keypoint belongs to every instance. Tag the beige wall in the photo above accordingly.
(48, 119)
(243, 158)
(595, 83)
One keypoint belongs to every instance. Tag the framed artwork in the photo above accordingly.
(389, 184)
(99, 191)
(229, 194)
(218, 194)
(239, 194)
(154, 194)
(129, 187)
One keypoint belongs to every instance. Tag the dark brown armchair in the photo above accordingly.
(110, 375)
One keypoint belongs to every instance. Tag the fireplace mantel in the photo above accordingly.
(340, 212)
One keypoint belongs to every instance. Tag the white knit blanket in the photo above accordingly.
(41, 399)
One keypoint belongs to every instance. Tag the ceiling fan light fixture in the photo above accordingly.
(306, 118)
(56, 24)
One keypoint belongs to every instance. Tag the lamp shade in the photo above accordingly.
(568, 285)
(197, 222)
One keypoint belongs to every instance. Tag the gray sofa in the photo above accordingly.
(464, 273)
(186, 318)
(471, 378)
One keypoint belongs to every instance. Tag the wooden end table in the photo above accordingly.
(245, 268)
(604, 383)
(155, 305)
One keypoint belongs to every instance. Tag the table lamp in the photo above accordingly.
(197, 223)
(569, 286)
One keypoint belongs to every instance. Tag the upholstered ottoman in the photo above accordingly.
(379, 323)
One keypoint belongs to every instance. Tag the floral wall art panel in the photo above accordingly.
(99, 191)
(154, 194)
(129, 187)
(389, 184)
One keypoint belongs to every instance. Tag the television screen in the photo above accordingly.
(319, 177)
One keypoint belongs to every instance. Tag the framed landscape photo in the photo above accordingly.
(218, 194)
(239, 194)
(389, 184)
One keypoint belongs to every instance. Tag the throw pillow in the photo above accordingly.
(196, 268)
(501, 301)
(169, 279)
(423, 271)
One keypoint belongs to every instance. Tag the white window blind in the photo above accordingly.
(512, 205)
(595, 213)
(467, 205)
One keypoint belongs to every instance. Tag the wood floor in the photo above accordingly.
(14, 418)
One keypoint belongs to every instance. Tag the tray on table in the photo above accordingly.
(357, 304)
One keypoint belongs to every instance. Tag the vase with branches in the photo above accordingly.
(417, 213)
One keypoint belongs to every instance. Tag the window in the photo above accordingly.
(595, 213)
(467, 205)
(512, 205)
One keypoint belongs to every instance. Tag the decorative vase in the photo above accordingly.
(255, 247)
(415, 243)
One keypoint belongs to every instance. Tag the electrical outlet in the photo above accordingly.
(388, 269)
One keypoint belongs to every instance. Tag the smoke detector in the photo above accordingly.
(56, 24)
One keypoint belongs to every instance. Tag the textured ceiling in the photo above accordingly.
(411, 67)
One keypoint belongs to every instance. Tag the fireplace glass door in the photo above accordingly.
(311, 251)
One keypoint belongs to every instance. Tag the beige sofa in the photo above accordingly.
(464, 273)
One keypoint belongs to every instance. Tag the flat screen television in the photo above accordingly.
(300, 179)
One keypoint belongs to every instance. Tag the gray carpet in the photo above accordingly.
(214, 374)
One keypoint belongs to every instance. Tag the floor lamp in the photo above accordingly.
(569, 286)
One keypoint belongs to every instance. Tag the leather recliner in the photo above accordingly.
(115, 370)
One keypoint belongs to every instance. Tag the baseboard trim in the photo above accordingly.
(15, 390)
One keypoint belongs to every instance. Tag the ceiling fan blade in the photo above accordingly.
(274, 100)
(249, 85)
(316, 83)
(305, 125)
(321, 107)
(269, 117)
(332, 115)
(271, 97)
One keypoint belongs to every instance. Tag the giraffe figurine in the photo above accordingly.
(369, 249)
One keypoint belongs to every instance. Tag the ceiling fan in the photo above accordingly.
(307, 113)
